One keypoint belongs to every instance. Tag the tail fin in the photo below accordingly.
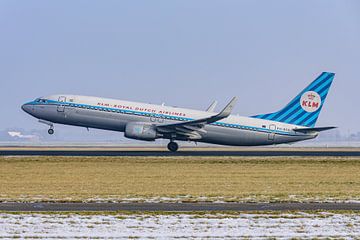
(305, 108)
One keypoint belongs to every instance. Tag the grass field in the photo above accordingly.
(179, 178)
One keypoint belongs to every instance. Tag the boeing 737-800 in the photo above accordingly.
(295, 122)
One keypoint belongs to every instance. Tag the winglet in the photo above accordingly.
(228, 109)
(212, 107)
(223, 114)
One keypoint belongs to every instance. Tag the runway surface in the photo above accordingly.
(336, 152)
(175, 207)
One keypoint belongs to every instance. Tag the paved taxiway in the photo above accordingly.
(158, 152)
(176, 207)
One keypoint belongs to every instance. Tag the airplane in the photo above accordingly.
(148, 122)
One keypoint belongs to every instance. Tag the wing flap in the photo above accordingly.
(194, 127)
(223, 114)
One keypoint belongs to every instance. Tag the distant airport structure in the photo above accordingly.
(148, 122)
(19, 135)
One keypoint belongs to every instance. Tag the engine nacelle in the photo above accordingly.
(140, 131)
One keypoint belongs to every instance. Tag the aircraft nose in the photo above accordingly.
(26, 108)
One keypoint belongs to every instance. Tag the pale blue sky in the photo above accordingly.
(183, 53)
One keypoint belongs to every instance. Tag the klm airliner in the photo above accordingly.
(141, 121)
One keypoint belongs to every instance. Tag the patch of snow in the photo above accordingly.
(185, 198)
(281, 226)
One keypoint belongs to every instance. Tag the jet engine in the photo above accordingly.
(140, 131)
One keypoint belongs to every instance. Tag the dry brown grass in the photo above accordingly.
(228, 178)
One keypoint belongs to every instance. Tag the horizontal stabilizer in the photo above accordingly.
(317, 129)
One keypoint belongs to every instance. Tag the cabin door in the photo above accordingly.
(61, 106)
(272, 128)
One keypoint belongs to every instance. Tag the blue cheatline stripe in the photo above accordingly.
(299, 110)
(292, 105)
(296, 107)
(222, 124)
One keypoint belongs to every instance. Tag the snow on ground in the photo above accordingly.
(187, 198)
(163, 226)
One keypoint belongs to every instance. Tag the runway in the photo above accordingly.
(204, 152)
(175, 207)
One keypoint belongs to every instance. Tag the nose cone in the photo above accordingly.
(26, 108)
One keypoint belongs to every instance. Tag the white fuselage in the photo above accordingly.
(110, 114)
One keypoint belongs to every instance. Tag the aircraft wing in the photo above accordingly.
(191, 129)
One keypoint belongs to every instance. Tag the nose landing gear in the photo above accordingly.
(173, 146)
(50, 124)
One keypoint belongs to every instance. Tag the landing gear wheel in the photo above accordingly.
(173, 146)
(51, 131)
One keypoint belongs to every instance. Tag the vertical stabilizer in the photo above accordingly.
(305, 108)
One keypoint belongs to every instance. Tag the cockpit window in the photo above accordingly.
(40, 100)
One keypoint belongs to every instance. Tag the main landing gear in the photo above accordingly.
(51, 131)
(173, 146)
